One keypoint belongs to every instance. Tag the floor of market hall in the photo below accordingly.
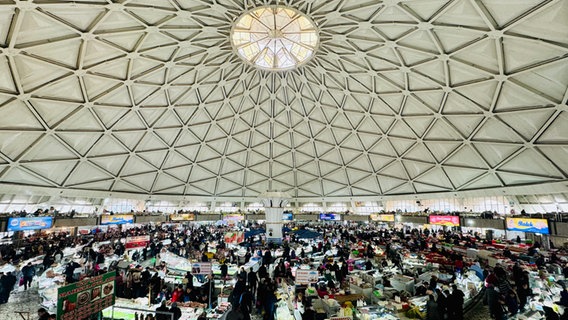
(29, 301)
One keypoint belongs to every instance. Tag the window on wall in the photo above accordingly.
(337, 207)
(367, 207)
(122, 205)
(195, 206)
(162, 206)
(227, 207)
(254, 206)
(311, 207)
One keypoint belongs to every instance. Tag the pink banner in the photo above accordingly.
(448, 221)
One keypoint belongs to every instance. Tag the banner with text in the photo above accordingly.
(35, 223)
(201, 268)
(306, 276)
(117, 219)
(448, 221)
(182, 217)
(87, 297)
(382, 217)
(137, 242)
(528, 225)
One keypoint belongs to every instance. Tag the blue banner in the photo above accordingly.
(528, 225)
(288, 216)
(36, 223)
(329, 217)
(117, 219)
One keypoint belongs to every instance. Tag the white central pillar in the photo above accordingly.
(274, 204)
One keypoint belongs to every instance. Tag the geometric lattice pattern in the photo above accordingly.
(401, 97)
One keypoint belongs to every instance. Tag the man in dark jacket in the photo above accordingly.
(245, 303)
(162, 308)
(252, 281)
(29, 272)
(7, 282)
(175, 310)
(455, 304)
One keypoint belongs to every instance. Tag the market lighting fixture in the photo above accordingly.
(274, 37)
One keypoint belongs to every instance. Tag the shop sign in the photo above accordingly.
(35, 223)
(528, 225)
(287, 216)
(234, 237)
(117, 219)
(136, 242)
(87, 297)
(201, 268)
(448, 221)
(382, 217)
(182, 217)
(306, 276)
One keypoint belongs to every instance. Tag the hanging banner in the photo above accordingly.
(234, 237)
(528, 225)
(35, 223)
(117, 219)
(329, 217)
(233, 217)
(306, 276)
(382, 217)
(201, 268)
(448, 221)
(137, 242)
(82, 299)
(287, 216)
(182, 217)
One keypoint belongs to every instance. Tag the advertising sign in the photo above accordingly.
(287, 216)
(306, 276)
(36, 223)
(448, 221)
(117, 219)
(81, 299)
(137, 242)
(382, 217)
(528, 225)
(182, 217)
(201, 268)
(233, 217)
(330, 217)
(234, 237)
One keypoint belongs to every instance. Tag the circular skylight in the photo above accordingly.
(274, 37)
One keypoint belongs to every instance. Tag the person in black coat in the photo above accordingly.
(245, 303)
(224, 270)
(252, 281)
(162, 308)
(7, 283)
(455, 306)
(176, 311)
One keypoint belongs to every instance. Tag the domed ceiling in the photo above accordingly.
(400, 97)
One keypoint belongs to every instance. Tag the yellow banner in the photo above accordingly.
(382, 217)
(182, 217)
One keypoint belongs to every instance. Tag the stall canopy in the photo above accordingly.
(307, 234)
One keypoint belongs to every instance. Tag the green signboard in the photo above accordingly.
(79, 300)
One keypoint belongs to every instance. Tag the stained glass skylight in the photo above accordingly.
(275, 37)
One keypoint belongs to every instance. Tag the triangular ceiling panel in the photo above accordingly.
(400, 98)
